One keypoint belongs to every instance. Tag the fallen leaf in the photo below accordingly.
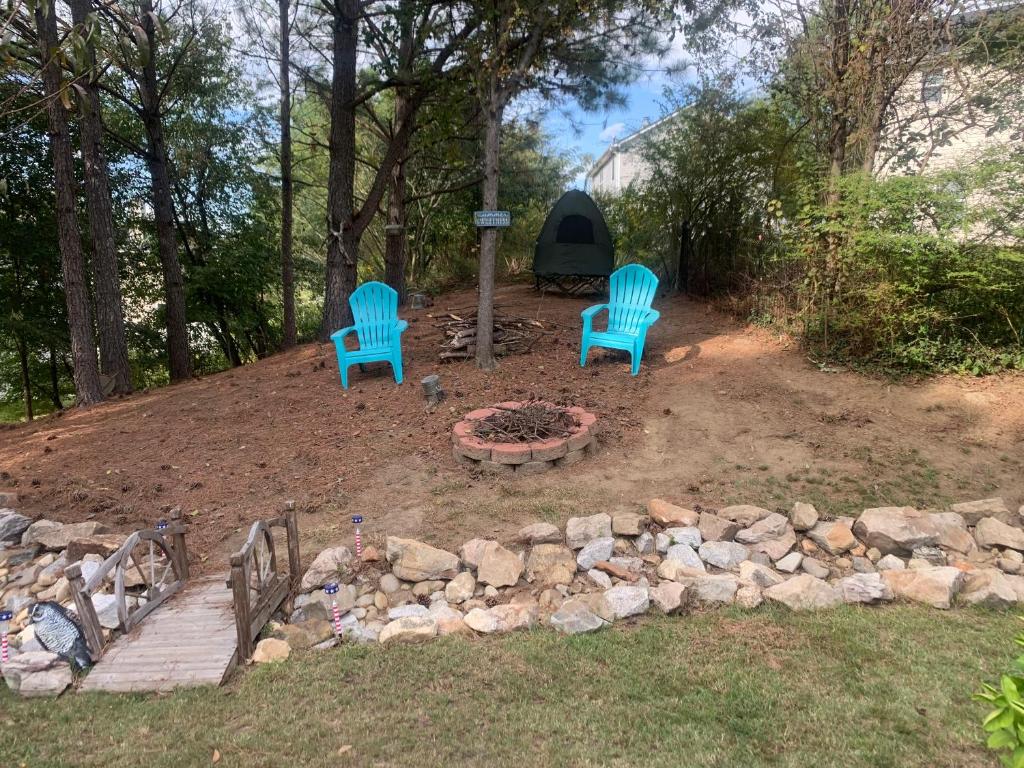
(216, 755)
(344, 748)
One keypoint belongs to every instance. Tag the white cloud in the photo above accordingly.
(612, 131)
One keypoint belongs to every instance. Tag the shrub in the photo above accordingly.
(1005, 723)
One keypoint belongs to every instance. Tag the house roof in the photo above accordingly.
(618, 145)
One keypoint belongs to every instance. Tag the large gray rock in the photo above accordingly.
(594, 552)
(499, 567)
(989, 587)
(550, 564)
(56, 539)
(833, 537)
(669, 596)
(974, 511)
(503, 618)
(622, 601)
(726, 555)
(745, 515)
(575, 617)
(683, 553)
(864, 588)
(776, 548)
(992, 532)
(580, 530)
(803, 516)
(629, 524)
(715, 528)
(760, 575)
(461, 588)
(953, 532)
(790, 563)
(331, 565)
(771, 526)
(893, 530)
(673, 570)
(539, 533)
(804, 593)
(689, 535)
(935, 586)
(815, 568)
(31, 534)
(472, 552)
(411, 629)
(12, 525)
(711, 590)
(415, 561)
(37, 673)
(890, 563)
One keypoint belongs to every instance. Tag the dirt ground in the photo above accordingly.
(720, 413)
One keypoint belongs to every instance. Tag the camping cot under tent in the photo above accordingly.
(574, 250)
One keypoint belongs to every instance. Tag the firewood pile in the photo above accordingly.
(512, 335)
(529, 423)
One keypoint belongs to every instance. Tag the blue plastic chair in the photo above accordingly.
(375, 311)
(629, 314)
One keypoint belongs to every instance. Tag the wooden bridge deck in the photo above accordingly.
(189, 641)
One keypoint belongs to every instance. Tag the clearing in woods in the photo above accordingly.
(720, 413)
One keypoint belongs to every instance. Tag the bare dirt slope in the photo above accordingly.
(719, 413)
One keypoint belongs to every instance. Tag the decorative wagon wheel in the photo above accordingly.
(146, 561)
(263, 565)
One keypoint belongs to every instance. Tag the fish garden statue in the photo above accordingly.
(58, 633)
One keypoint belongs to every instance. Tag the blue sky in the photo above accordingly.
(580, 133)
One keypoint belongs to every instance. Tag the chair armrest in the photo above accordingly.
(339, 335)
(651, 317)
(401, 325)
(589, 312)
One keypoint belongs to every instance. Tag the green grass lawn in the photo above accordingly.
(852, 687)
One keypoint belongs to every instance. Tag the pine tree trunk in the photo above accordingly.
(179, 358)
(55, 382)
(489, 236)
(83, 349)
(342, 241)
(26, 380)
(395, 238)
(287, 264)
(106, 281)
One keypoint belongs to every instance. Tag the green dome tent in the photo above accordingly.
(574, 250)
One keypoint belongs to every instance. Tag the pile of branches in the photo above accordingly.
(529, 423)
(512, 335)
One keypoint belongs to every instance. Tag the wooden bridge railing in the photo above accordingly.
(166, 553)
(258, 584)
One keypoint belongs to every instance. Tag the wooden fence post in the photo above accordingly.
(240, 592)
(291, 524)
(86, 610)
(178, 542)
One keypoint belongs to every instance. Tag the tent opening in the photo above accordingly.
(575, 229)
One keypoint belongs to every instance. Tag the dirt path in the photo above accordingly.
(719, 413)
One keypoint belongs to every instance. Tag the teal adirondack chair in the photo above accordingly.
(375, 311)
(629, 314)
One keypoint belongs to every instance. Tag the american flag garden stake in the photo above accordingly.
(356, 520)
(332, 590)
(5, 624)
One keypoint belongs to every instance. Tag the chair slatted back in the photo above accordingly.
(375, 312)
(631, 292)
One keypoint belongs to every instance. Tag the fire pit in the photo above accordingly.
(524, 438)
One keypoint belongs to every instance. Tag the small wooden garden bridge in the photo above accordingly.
(176, 631)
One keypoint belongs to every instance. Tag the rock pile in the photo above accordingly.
(33, 557)
(604, 568)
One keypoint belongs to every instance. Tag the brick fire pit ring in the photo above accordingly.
(523, 458)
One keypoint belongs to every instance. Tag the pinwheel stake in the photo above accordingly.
(5, 625)
(332, 590)
(356, 520)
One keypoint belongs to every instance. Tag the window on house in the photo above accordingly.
(931, 87)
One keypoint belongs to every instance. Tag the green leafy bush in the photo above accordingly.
(1005, 723)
